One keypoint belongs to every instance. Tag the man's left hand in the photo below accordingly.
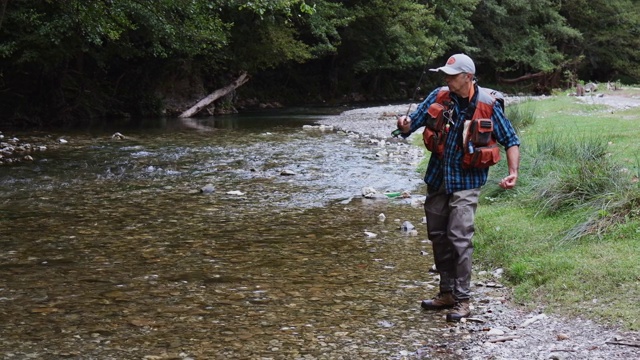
(508, 182)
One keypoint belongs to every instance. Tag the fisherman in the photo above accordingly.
(463, 124)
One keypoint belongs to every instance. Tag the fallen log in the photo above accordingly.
(243, 78)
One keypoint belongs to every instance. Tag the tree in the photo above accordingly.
(610, 42)
(388, 40)
(70, 57)
(85, 58)
(514, 38)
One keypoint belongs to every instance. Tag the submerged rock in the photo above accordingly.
(208, 189)
(407, 226)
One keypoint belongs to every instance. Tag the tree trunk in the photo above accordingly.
(243, 78)
(3, 10)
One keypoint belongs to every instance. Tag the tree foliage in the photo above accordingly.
(516, 36)
(79, 58)
(91, 58)
(610, 41)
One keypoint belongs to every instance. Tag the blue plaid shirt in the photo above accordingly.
(449, 169)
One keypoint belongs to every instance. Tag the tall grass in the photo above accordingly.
(570, 174)
(521, 114)
(568, 236)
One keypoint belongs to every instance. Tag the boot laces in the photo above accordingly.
(459, 305)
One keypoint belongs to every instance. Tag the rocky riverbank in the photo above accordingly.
(500, 329)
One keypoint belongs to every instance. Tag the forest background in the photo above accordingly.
(66, 62)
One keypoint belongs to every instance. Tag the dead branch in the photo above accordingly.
(522, 78)
(626, 343)
(243, 78)
(503, 339)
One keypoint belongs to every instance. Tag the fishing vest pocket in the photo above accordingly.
(480, 132)
(481, 157)
(434, 141)
(435, 120)
(434, 135)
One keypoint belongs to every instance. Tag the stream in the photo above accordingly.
(110, 248)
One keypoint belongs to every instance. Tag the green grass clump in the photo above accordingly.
(522, 114)
(568, 236)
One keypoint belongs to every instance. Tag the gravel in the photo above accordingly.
(502, 329)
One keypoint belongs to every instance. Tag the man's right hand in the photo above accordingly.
(404, 124)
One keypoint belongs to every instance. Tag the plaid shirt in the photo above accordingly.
(449, 169)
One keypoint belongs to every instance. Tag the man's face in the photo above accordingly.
(459, 84)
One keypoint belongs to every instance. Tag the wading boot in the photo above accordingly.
(441, 301)
(460, 310)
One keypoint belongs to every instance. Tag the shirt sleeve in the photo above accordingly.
(419, 116)
(502, 128)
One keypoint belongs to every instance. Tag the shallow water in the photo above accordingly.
(110, 251)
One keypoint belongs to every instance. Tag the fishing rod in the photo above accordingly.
(397, 132)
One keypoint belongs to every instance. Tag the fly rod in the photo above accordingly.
(397, 132)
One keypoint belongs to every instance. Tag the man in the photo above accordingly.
(453, 178)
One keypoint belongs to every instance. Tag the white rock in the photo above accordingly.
(368, 191)
(407, 226)
(207, 189)
(533, 319)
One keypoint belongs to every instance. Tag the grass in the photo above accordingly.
(568, 236)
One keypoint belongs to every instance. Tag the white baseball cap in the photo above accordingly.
(456, 64)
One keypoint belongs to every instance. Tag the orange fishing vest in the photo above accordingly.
(480, 148)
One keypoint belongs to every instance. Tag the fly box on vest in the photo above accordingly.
(480, 132)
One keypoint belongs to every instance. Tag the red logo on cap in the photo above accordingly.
(451, 61)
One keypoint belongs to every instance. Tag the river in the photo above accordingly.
(109, 248)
